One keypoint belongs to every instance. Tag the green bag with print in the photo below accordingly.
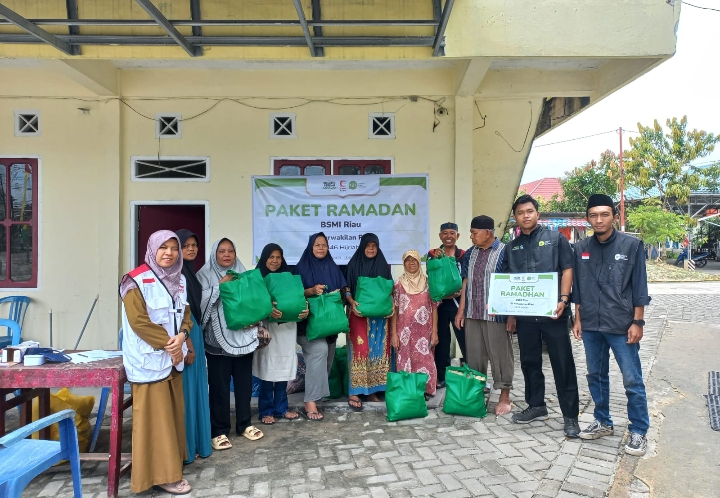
(443, 277)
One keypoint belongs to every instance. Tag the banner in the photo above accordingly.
(526, 294)
(287, 210)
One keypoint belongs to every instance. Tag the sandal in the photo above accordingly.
(354, 407)
(181, 487)
(221, 443)
(267, 420)
(307, 414)
(253, 433)
(291, 416)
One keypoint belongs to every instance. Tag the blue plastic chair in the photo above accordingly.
(104, 395)
(16, 313)
(15, 329)
(21, 460)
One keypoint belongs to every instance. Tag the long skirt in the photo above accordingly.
(368, 355)
(158, 433)
(197, 404)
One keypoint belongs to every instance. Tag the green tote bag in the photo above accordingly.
(338, 379)
(327, 316)
(443, 277)
(245, 299)
(286, 290)
(465, 392)
(405, 395)
(374, 296)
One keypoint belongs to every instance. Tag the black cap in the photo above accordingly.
(483, 222)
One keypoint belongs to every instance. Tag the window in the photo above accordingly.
(282, 126)
(362, 167)
(303, 167)
(27, 124)
(18, 223)
(187, 169)
(382, 125)
(168, 126)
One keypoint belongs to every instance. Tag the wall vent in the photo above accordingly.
(382, 125)
(27, 123)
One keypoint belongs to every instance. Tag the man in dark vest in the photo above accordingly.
(610, 294)
(537, 250)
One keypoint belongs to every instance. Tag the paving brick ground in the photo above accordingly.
(361, 454)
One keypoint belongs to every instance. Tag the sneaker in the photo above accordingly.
(597, 430)
(572, 428)
(637, 445)
(529, 414)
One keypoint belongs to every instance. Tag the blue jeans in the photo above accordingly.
(272, 399)
(597, 353)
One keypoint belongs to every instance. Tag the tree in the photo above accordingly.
(656, 225)
(662, 161)
(596, 177)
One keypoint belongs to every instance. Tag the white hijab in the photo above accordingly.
(217, 333)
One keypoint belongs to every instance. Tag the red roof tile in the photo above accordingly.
(545, 188)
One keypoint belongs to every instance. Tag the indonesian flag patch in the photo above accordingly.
(148, 280)
(586, 255)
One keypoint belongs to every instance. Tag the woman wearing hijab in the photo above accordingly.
(276, 364)
(319, 275)
(195, 383)
(229, 353)
(155, 325)
(368, 344)
(416, 319)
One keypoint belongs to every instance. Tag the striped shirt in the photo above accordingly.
(477, 265)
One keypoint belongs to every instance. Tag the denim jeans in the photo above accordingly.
(272, 399)
(597, 353)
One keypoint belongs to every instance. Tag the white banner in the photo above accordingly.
(526, 294)
(287, 210)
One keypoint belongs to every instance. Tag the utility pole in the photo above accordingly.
(622, 185)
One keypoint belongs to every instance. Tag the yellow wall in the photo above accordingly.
(79, 219)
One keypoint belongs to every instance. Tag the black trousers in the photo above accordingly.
(446, 320)
(531, 335)
(220, 369)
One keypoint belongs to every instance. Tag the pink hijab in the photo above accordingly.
(170, 277)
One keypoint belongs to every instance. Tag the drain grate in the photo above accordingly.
(714, 383)
(713, 400)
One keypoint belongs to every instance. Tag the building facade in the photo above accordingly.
(133, 129)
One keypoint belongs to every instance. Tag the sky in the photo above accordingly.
(687, 84)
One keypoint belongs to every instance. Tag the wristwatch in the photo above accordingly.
(639, 323)
(564, 301)
(187, 334)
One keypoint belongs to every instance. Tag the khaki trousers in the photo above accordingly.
(489, 341)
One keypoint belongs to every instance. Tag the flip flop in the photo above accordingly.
(253, 433)
(262, 420)
(296, 417)
(307, 414)
(221, 443)
(181, 487)
(353, 407)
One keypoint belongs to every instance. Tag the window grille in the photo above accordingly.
(171, 169)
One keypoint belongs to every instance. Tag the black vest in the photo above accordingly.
(536, 253)
(603, 280)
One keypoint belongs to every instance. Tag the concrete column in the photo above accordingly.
(464, 167)
(501, 146)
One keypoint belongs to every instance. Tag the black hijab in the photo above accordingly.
(362, 266)
(314, 271)
(265, 255)
(194, 289)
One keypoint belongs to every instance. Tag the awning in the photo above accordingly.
(564, 222)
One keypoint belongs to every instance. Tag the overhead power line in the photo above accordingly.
(578, 138)
(700, 7)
